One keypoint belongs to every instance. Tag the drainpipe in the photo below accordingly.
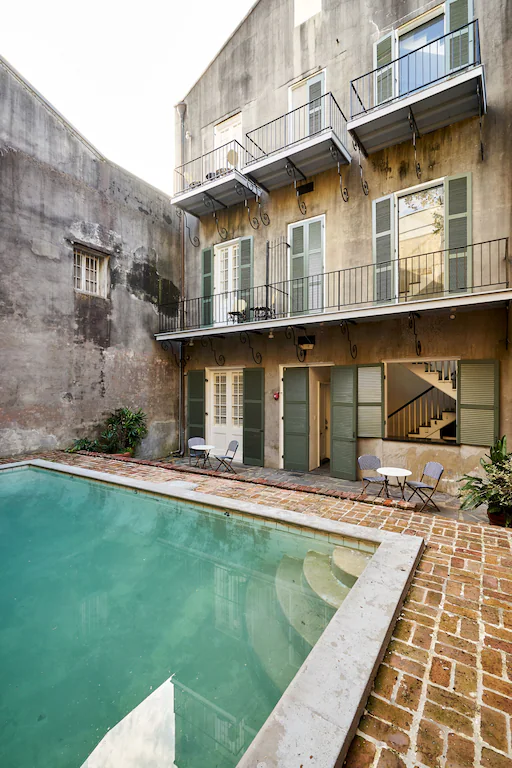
(181, 108)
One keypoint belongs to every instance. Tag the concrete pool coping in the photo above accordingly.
(315, 719)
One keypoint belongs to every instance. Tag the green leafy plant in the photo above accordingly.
(495, 487)
(124, 430)
(83, 444)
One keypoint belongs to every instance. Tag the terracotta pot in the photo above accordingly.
(496, 518)
(126, 455)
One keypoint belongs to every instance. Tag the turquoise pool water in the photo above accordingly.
(105, 593)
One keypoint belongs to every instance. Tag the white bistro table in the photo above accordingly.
(206, 450)
(400, 474)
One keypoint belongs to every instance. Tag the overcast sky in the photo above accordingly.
(116, 69)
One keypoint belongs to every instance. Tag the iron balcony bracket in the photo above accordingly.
(345, 329)
(245, 339)
(183, 216)
(413, 316)
(207, 341)
(364, 183)
(293, 172)
(264, 217)
(210, 202)
(292, 336)
(336, 157)
(415, 135)
(253, 220)
(480, 116)
(180, 361)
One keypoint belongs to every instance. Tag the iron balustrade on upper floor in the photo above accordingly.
(315, 117)
(440, 274)
(431, 63)
(210, 166)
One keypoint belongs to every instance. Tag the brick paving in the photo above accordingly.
(442, 697)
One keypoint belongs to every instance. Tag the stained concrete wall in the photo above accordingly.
(473, 335)
(267, 54)
(68, 359)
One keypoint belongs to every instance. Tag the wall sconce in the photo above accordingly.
(191, 343)
(271, 334)
(452, 313)
(306, 342)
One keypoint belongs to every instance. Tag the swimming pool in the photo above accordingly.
(105, 593)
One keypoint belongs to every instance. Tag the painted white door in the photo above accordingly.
(226, 268)
(226, 409)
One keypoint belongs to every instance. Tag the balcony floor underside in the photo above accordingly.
(228, 189)
(310, 156)
(433, 107)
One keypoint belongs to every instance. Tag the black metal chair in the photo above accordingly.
(366, 462)
(423, 490)
(227, 459)
(197, 455)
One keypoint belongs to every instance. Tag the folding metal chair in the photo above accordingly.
(366, 462)
(227, 459)
(195, 454)
(423, 490)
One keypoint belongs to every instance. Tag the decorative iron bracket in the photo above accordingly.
(210, 202)
(253, 221)
(180, 362)
(480, 115)
(336, 156)
(223, 233)
(345, 329)
(415, 135)
(182, 215)
(245, 339)
(293, 172)
(264, 217)
(291, 335)
(364, 183)
(219, 359)
(413, 316)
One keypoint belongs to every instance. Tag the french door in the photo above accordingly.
(226, 410)
(226, 303)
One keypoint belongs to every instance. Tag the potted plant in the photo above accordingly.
(494, 488)
(124, 430)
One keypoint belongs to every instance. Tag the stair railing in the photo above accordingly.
(446, 370)
(420, 411)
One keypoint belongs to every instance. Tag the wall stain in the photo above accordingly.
(92, 319)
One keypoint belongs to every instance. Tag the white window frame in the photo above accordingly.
(320, 75)
(101, 261)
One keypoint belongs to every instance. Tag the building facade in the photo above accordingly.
(344, 178)
(87, 253)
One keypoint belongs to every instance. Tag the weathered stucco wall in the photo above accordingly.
(68, 359)
(473, 334)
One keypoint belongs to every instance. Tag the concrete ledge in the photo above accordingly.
(316, 718)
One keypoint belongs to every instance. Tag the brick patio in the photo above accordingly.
(443, 694)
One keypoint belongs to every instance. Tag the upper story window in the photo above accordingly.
(228, 130)
(308, 94)
(305, 9)
(424, 50)
(90, 271)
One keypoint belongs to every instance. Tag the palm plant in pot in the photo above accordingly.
(494, 488)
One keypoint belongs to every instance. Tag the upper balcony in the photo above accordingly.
(433, 86)
(214, 181)
(299, 144)
(477, 274)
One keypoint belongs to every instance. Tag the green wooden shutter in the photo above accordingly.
(383, 54)
(458, 231)
(478, 402)
(315, 264)
(296, 419)
(254, 416)
(343, 422)
(383, 247)
(460, 44)
(245, 282)
(369, 400)
(195, 403)
(298, 281)
(315, 106)
(207, 286)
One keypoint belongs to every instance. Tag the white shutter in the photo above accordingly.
(458, 235)
(315, 264)
(384, 53)
(383, 211)
(369, 401)
(478, 402)
(460, 47)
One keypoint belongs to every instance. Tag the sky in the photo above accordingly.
(116, 69)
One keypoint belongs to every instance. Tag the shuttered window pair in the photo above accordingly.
(216, 310)
(457, 239)
(428, 65)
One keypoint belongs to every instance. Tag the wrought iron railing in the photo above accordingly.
(473, 268)
(425, 66)
(317, 116)
(213, 165)
(425, 410)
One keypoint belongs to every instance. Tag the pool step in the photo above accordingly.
(305, 611)
(269, 637)
(348, 564)
(321, 579)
